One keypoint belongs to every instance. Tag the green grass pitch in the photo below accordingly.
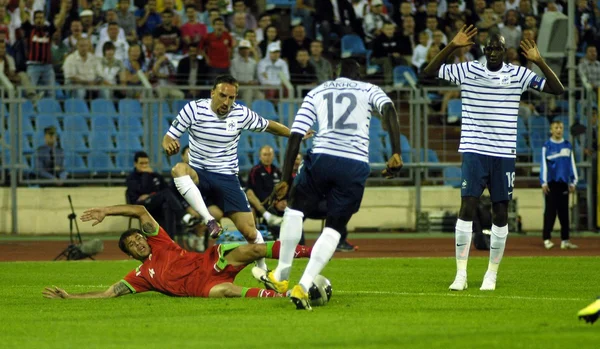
(376, 303)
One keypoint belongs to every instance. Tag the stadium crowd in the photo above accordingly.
(92, 43)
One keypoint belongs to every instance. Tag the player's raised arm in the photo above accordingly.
(463, 38)
(531, 52)
(149, 225)
(116, 290)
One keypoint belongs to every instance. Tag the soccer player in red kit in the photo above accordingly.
(171, 270)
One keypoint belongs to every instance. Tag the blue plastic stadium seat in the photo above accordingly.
(539, 124)
(454, 110)
(537, 155)
(564, 119)
(265, 108)
(130, 107)
(124, 160)
(452, 176)
(130, 123)
(103, 106)
(74, 142)
(27, 109)
(75, 123)
(375, 124)
(27, 144)
(288, 110)
(74, 163)
(178, 105)
(26, 125)
(353, 45)
(129, 142)
(45, 120)
(406, 148)
(537, 140)
(99, 161)
(371, 67)
(375, 153)
(49, 106)
(244, 161)
(76, 106)
(100, 140)
(261, 139)
(103, 123)
(399, 78)
(166, 109)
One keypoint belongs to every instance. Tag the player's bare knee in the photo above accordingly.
(181, 169)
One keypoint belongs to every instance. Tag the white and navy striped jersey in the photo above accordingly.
(213, 140)
(490, 105)
(342, 108)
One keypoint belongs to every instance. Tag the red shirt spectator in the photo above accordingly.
(217, 46)
(192, 31)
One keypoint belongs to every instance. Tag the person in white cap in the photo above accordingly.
(272, 70)
(374, 21)
(243, 69)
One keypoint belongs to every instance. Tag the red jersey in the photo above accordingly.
(39, 42)
(171, 270)
(217, 49)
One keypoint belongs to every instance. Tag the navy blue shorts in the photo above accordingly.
(222, 190)
(339, 180)
(481, 171)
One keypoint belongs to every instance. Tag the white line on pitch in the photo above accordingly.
(461, 294)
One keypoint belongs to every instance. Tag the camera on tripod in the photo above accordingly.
(77, 249)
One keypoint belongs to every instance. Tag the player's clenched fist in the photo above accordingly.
(170, 145)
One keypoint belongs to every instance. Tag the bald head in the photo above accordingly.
(349, 68)
(495, 51)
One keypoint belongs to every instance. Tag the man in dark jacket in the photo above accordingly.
(148, 188)
(192, 71)
(342, 23)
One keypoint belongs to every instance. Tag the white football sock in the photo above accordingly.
(462, 236)
(320, 255)
(190, 192)
(259, 240)
(289, 235)
(497, 245)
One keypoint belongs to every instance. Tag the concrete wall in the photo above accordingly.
(45, 210)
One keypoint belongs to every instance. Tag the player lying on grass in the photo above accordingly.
(171, 270)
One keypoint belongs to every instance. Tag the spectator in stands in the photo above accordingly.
(255, 52)
(432, 27)
(586, 23)
(133, 65)
(147, 47)
(323, 67)
(110, 70)
(166, 33)
(212, 15)
(216, 49)
(361, 8)
(261, 181)
(39, 36)
(192, 71)
(76, 34)
(111, 17)
(478, 11)
(499, 7)
(589, 68)
(451, 16)
(243, 69)
(162, 74)
(420, 52)
(305, 10)
(147, 20)
(291, 45)
(271, 36)
(512, 56)
(196, 14)
(192, 30)
(302, 72)
(59, 52)
(427, 80)
(374, 20)
(263, 23)
(407, 38)
(238, 26)
(27, 7)
(50, 158)
(272, 70)
(424, 12)
(99, 14)
(239, 6)
(87, 22)
(388, 52)
(489, 22)
(8, 68)
(479, 46)
(169, 5)
(126, 20)
(339, 19)
(510, 30)
(404, 11)
(438, 39)
(81, 68)
(148, 188)
(530, 22)
(120, 44)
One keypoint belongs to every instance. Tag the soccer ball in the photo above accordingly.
(320, 291)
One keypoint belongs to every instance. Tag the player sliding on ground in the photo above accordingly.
(171, 270)
(490, 96)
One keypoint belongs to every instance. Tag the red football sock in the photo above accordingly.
(300, 252)
(256, 292)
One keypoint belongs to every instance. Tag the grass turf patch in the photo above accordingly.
(376, 303)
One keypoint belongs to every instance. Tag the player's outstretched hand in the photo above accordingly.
(465, 36)
(170, 145)
(394, 165)
(55, 292)
(530, 51)
(279, 192)
(94, 214)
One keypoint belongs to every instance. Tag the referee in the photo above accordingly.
(558, 177)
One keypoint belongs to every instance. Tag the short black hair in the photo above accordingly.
(38, 11)
(167, 12)
(124, 237)
(139, 154)
(225, 79)
(113, 23)
(348, 68)
(218, 19)
(107, 46)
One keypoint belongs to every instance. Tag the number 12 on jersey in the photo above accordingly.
(340, 123)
